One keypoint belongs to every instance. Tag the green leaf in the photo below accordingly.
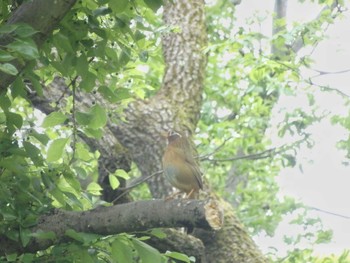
(121, 173)
(27, 49)
(25, 30)
(88, 81)
(94, 188)
(62, 42)
(147, 253)
(40, 234)
(35, 80)
(154, 4)
(72, 180)
(178, 256)
(25, 235)
(56, 148)
(113, 181)
(47, 181)
(11, 257)
(82, 153)
(18, 88)
(82, 65)
(59, 197)
(53, 119)
(98, 117)
(14, 119)
(97, 134)
(84, 238)
(102, 11)
(5, 56)
(122, 250)
(5, 29)
(158, 233)
(82, 118)
(9, 69)
(118, 6)
(123, 93)
(108, 94)
(33, 153)
(43, 138)
(5, 102)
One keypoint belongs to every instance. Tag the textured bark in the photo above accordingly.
(177, 104)
(232, 243)
(43, 16)
(180, 241)
(114, 220)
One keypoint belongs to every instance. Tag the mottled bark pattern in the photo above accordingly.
(232, 243)
(178, 102)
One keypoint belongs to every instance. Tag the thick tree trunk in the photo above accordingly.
(178, 102)
(177, 106)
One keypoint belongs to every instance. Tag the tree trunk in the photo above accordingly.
(177, 106)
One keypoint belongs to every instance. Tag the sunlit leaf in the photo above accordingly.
(55, 151)
(53, 119)
(27, 49)
(8, 69)
(114, 182)
(118, 6)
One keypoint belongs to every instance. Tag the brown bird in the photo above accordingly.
(179, 166)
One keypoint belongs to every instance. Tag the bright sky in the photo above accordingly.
(324, 182)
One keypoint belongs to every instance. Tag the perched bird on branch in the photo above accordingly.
(179, 165)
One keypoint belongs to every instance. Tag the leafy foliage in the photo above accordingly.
(111, 49)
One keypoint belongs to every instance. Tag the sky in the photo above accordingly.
(324, 181)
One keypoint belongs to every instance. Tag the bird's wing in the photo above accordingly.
(195, 169)
(187, 158)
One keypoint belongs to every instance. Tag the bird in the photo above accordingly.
(179, 165)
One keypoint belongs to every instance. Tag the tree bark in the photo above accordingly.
(114, 220)
(177, 106)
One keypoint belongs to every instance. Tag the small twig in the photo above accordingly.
(71, 83)
(206, 156)
(261, 155)
(74, 122)
(309, 81)
(128, 188)
(328, 212)
(321, 72)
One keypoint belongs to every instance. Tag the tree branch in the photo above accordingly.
(299, 42)
(260, 155)
(321, 72)
(130, 217)
(327, 88)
